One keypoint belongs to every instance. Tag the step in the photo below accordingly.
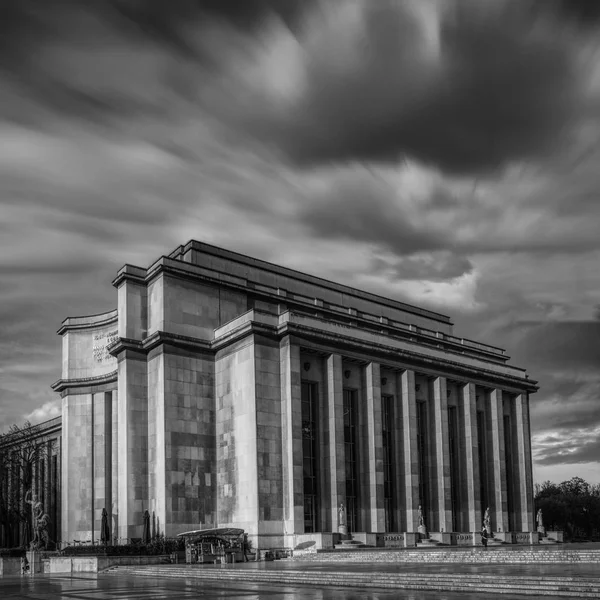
(471, 555)
(556, 586)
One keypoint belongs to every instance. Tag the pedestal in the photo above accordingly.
(35, 562)
(343, 530)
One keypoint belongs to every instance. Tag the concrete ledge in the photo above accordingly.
(96, 564)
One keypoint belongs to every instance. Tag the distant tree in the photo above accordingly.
(572, 506)
(21, 449)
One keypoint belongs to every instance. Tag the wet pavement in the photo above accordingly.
(118, 586)
(121, 587)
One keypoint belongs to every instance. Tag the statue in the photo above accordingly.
(39, 521)
(540, 523)
(486, 522)
(421, 526)
(342, 515)
(342, 522)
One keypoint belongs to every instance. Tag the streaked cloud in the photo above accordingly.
(441, 152)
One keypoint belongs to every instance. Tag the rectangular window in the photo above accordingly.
(423, 456)
(42, 481)
(387, 416)
(482, 455)
(454, 466)
(509, 473)
(350, 446)
(54, 482)
(309, 455)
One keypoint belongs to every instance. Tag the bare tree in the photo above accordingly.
(22, 450)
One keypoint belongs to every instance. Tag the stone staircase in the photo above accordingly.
(569, 587)
(501, 555)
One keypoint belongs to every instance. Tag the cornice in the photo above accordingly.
(157, 339)
(406, 357)
(88, 322)
(64, 384)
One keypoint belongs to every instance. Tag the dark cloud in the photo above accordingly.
(583, 12)
(560, 345)
(358, 207)
(467, 86)
(495, 83)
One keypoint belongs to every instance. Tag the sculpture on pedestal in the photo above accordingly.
(486, 522)
(540, 523)
(421, 526)
(40, 521)
(342, 523)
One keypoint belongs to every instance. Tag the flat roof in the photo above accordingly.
(293, 273)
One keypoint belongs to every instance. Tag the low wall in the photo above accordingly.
(10, 565)
(95, 564)
(394, 540)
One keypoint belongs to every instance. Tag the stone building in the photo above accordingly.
(227, 391)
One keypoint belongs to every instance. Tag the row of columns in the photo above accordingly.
(407, 453)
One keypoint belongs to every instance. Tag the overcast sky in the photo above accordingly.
(441, 153)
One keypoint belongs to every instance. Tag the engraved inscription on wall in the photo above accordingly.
(101, 342)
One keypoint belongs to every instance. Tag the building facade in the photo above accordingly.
(227, 391)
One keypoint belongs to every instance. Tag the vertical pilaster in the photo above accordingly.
(335, 450)
(500, 509)
(102, 464)
(375, 448)
(471, 484)
(133, 443)
(114, 512)
(398, 458)
(411, 452)
(291, 415)
(524, 463)
(48, 501)
(442, 454)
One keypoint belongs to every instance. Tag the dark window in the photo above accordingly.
(54, 495)
(454, 466)
(387, 416)
(423, 455)
(42, 481)
(309, 455)
(482, 455)
(350, 446)
(509, 472)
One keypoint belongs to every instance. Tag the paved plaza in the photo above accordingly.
(117, 587)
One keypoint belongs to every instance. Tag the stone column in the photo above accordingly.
(336, 456)
(48, 504)
(500, 508)
(102, 442)
(132, 414)
(291, 434)
(442, 454)
(471, 484)
(524, 468)
(375, 448)
(411, 452)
